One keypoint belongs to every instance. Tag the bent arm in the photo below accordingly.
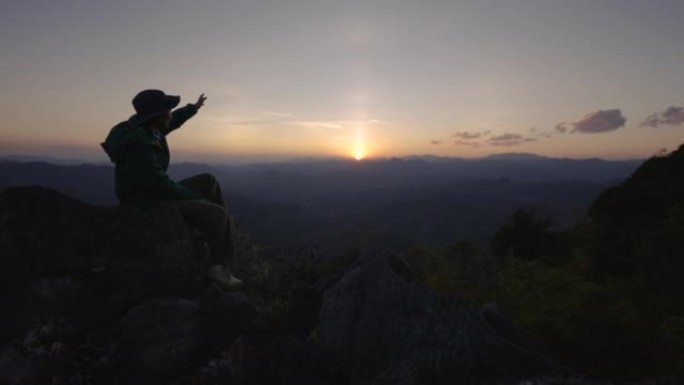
(149, 174)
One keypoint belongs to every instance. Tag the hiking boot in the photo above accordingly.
(220, 275)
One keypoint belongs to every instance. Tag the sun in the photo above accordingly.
(358, 149)
(358, 153)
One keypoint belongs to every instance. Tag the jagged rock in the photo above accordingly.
(301, 360)
(240, 363)
(155, 341)
(46, 234)
(14, 366)
(81, 265)
(388, 329)
(163, 339)
(108, 295)
(113, 294)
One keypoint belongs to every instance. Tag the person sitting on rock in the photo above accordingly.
(140, 152)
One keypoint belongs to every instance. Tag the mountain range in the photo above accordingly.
(394, 201)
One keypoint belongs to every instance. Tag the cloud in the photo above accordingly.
(479, 139)
(595, 122)
(466, 135)
(673, 116)
(319, 124)
(463, 138)
(461, 142)
(537, 133)
(279, 114)
(562, 127)
(282, 119)
(249, 122)
(508, 139)
(600, 121)
(483, 138)
(335, 124)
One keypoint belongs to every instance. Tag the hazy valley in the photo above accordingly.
(369, 204)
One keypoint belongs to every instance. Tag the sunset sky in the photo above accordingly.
(287, 79)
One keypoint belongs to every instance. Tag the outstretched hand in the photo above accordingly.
(200, 101)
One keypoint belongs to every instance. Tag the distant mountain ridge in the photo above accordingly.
(289, 201)
(45, 159)
(516, 156)
(23, 158)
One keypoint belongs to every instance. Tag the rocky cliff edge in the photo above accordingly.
(116, 295)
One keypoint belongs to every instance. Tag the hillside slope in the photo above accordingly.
(116, 295)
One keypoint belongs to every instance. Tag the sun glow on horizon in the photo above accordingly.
(359, 150)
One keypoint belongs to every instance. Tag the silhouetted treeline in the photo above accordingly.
(604, 296)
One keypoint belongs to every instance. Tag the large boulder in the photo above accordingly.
(106, 294)
(47, 234)
(80, 264)
(387, 328)
(162, 340)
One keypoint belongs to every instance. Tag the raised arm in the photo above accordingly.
(181, 115)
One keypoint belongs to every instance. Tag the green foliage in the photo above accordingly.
(604, 298)
(460, 268)
(613, 325)
(659, 266)
(625, 217)
(612, 303)
(589, 326)
(527, 236)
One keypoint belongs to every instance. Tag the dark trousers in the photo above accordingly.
(210, 216)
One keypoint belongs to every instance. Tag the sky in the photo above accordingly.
(373, 78)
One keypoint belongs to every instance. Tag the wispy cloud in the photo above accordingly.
(595, 122)
(249, 123)
(537, 133)
(461, 142)
(562, 127)
(279, 114)
(318, 124)
(673, 116)
(466, 135)
(284, 119)
(335, 124)
(479, 139)
(463, 138)
(508, 139)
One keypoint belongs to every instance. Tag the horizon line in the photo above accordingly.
(266, 159)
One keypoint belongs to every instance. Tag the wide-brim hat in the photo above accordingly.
(150, 104)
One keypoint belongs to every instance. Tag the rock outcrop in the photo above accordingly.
(105, 294)
(114, 295)
(386, 328)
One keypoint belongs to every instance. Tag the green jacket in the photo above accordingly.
(142, 159)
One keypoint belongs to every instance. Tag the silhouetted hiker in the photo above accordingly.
(138, 148)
